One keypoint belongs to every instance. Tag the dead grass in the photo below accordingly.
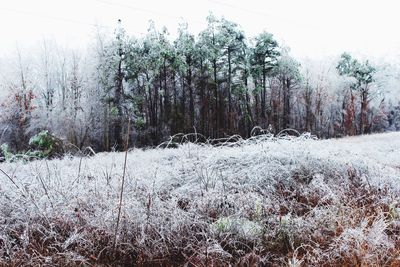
(265, 202)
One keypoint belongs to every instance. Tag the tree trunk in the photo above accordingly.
(229, 90)
(118, 104)
(191, 97)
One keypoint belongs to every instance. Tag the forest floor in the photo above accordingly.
(265, 201)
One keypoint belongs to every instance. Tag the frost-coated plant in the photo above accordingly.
(44, 143)
(5, 151)
(272, 202)
(42, 140)
(7, 155)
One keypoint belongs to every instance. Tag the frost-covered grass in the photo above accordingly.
(276, 202)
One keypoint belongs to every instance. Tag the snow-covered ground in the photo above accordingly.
(268, 201)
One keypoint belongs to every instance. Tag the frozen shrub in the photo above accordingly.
(45, 145)
(5, 154)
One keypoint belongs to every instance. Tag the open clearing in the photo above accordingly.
(264, 201)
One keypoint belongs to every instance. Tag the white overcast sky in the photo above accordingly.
(312, 28)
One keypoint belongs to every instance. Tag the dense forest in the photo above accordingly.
(218, 83)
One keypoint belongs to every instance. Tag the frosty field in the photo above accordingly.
(265, 201)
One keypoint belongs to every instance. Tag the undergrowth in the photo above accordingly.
(266, 201)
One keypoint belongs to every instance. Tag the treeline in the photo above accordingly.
(218, 83)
